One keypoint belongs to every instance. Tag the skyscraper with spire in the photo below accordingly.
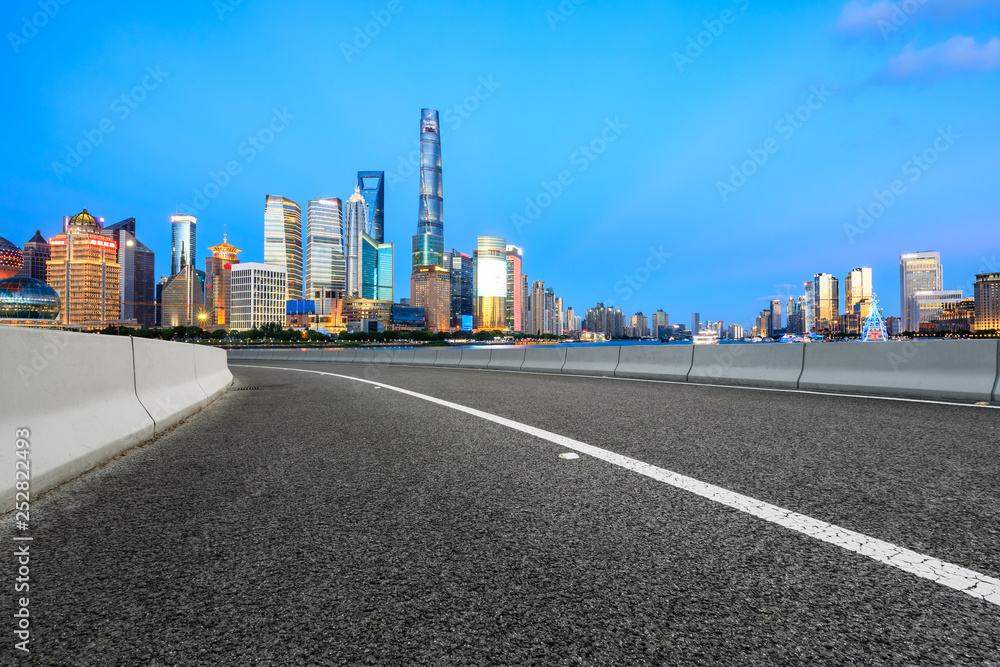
(355, 224)
(430, 282)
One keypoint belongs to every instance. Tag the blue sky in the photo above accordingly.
(647, 111)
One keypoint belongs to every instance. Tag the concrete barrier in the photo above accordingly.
(601, 360)
(964, 370)
(364, 357)
(312, 355)
(402, 357)
(281, 355)
(382, 356)
(265, 355)
(330, 355)
(347, 355)
(166, 381)
(655, 362)
(544, 359)
(763, 365)
(424, 357)
(251, 354)
(475, 358)
(297, 355)
(212, 370)
(507, 359)
(77, 398)
(448, 357)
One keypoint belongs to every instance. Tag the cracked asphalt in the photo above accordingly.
(319, 520)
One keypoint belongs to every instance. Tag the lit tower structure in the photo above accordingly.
(874, 325)
(283, 240)
(490, 271)
(218, 284)
(355, 224)
(183, 233)
(430, 282)
(84, 269)
(514, 306)
(371, 184)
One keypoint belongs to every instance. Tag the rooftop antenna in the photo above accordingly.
(224, 228)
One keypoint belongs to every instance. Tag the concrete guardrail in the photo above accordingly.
(967, 370)
(86, 398)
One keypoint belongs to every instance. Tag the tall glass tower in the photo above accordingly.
(325, 267)
(490, 261)
(182, 238)
(283, 240)
(371, 184)
(428, 244)
(355, 224)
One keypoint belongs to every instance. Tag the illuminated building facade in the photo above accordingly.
(376, 269)
(431, 290)
(182, 301)
(355, 225)
(84, 269)
(987, 302)
(37, 253)
(11, 259)
(826, 300)
(357, 310)
(514, 307)
(258, 295)
(283, 241)
(462, 308)
(26, 301)
(325, 264)
(918, 272)
(183, 233)
(218, 285)
(926, 307)
(490, 275)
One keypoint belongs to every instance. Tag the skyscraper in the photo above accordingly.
(218, 285)
(283, 240)
(858, 291)
(183, 232)
(258, 295)
(490, 262)
(538, 316)
(695, 322)
(375, 269)
(514, 307)
(325, 265)
(430, 283)
(355, 224)
(459, 266)
(987, 300)
(372, 187)
(183, 299)
(137, 284)
(37, 252)
(918, 272)
(84, 269)
(826, 299)
(774, 323)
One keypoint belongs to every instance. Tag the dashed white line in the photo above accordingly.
(947, 574)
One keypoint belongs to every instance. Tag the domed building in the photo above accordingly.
(83, 223)
(11, 259)
(28, 301)
(84, 270)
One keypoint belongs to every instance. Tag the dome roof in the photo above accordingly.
(11, 259)
(83, 222)
(24, 298)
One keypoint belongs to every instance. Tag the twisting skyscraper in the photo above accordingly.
(430, 283)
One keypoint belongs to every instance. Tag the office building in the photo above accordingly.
(826, 302)
(84, 269)
(359, 311)
(36, 255)
(774, 323)
(431, 290)
(696, 322)
(283, 241)
(858, 291)
(376, 269)
(918, 272)
(183, 299)
(514, 306)
(926, 306)
(137, 284)
(183, 234)
(355, 224)
(325, 267)
(987, 302)
(371, 185)
(430, 282)
(490, 275)
(258, 295)
(462, 276)
(406, 318)
(218, 285)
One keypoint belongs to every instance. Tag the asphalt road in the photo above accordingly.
(320, 520)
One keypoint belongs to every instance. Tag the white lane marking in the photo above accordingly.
(947, 574)
(569, 456)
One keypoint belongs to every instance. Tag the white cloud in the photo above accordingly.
(886, 16)
(957, 54)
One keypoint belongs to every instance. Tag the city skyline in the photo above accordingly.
(824, 202)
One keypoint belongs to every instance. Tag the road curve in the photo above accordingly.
(311, 519)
